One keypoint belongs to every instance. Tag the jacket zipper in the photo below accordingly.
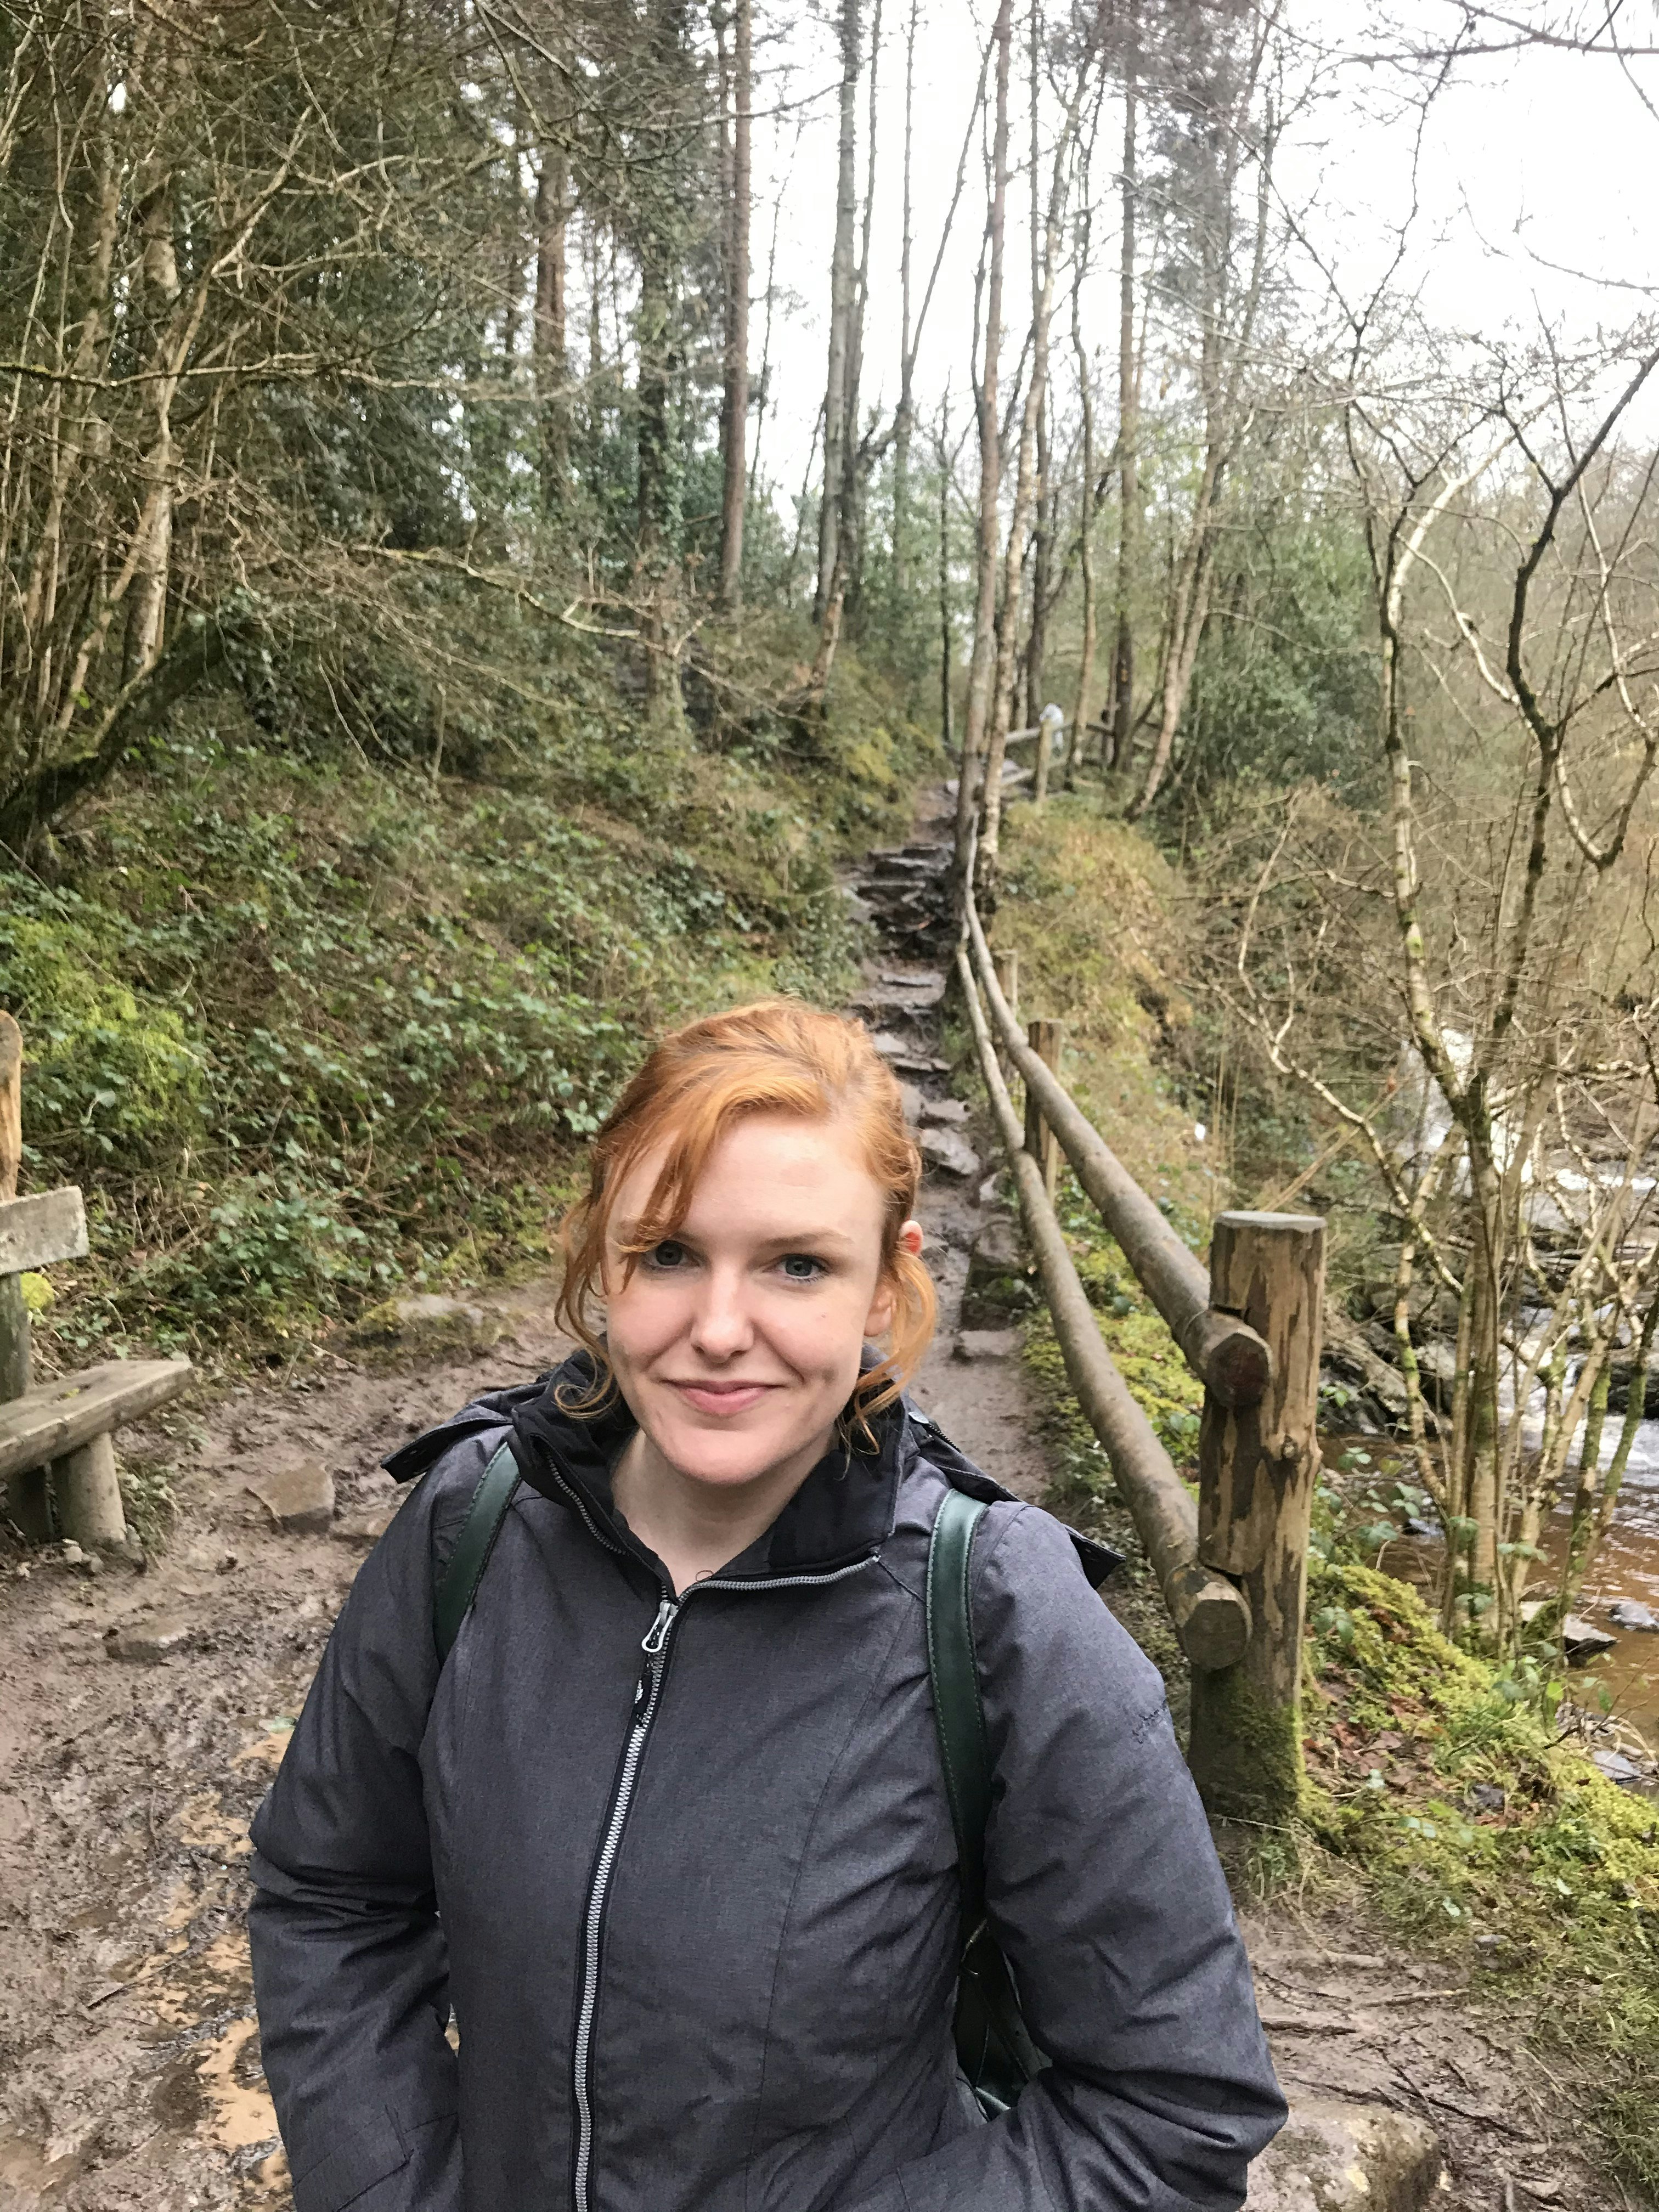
(654, 1646)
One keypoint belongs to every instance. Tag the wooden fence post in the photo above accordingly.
(1257, 1468)
(1045, 1039)
(1005, 965)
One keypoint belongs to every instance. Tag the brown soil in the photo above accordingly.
(129, 2076)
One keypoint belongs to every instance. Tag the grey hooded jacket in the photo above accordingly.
(685, 1871)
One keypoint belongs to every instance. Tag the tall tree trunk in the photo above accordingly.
(841, 312)
(904, 419)
(1037, 642)
(552, 372)
(1128, 415)
(846, 573)
(158, 288)
(1026, 483)
(1085, 674)
(988, 536)
(658, 447)
(945, 641)
(734, 413)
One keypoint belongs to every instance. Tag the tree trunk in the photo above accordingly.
(550, 363)
(656, 446)
(1085, 674)
(841, 312)
(734, 415)
(904, 418)
(1129, 418)
(159, 287)
(1026, 486)
(1036, 642)
(946, 643)
(988, 536)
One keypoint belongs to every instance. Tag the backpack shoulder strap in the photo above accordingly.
(458, 1585)
(953, 1670)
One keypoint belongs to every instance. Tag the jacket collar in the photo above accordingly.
(843, 1512)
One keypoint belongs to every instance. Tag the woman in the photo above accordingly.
(667, 1828)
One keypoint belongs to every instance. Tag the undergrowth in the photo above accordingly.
(1482, 1832)
(309, 1028)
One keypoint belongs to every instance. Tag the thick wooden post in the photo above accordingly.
(1045, 1039)
(1257, 1467)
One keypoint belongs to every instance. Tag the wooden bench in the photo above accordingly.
(57, 1439)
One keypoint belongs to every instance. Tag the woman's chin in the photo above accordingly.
(726, 1459)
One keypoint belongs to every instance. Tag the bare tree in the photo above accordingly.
(988, 535)
(734, 408)
(842, 305)
(1227, 264)
(1518, 964)
(1026, 480)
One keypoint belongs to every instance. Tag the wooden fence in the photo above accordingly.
(1232, 1567)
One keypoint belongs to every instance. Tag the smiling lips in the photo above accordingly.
(722, 1398)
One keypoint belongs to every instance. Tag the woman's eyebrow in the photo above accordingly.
(797, 1240)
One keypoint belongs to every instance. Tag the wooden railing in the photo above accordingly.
(1232, 1566)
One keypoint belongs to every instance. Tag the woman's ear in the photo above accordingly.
(879, 1318)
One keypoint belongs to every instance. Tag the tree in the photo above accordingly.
(837, 426)
(734, 409)
(1517, 962)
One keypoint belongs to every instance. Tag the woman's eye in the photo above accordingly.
(801, 1267)
(667, 1255)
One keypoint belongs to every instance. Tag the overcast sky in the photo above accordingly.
(1533, 166)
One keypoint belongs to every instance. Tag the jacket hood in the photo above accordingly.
(844, 1511)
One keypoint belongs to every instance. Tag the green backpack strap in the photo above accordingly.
(993, 2045)
(453, 1597)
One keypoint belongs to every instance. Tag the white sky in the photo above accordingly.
(1527, 160)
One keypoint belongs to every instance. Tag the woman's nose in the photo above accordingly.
(721, 1326)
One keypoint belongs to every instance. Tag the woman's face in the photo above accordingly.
(736, 1344)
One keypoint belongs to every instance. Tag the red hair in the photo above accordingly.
(777, 1056)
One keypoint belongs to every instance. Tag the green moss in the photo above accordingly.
(1246, 1751)
(1445, 1778)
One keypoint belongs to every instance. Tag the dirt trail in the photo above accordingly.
(129, 2055)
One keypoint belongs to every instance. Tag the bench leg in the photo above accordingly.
(89, 1494)
(26, 1504)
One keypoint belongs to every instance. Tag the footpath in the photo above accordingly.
(144, 1713)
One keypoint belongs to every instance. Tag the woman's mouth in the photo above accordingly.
(722, 1398)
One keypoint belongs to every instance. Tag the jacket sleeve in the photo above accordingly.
(349, 1969)
(1104, 1891)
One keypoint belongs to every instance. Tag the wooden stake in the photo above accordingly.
(1257, 1468)
(1045, 1039)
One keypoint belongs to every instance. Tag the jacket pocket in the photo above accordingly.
(377, 2151)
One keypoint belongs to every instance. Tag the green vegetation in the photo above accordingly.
(308, 1028)
(1484, 1836)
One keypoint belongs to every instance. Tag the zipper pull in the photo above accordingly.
(657, 1635)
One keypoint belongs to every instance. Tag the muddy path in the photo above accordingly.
(141, 1715)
